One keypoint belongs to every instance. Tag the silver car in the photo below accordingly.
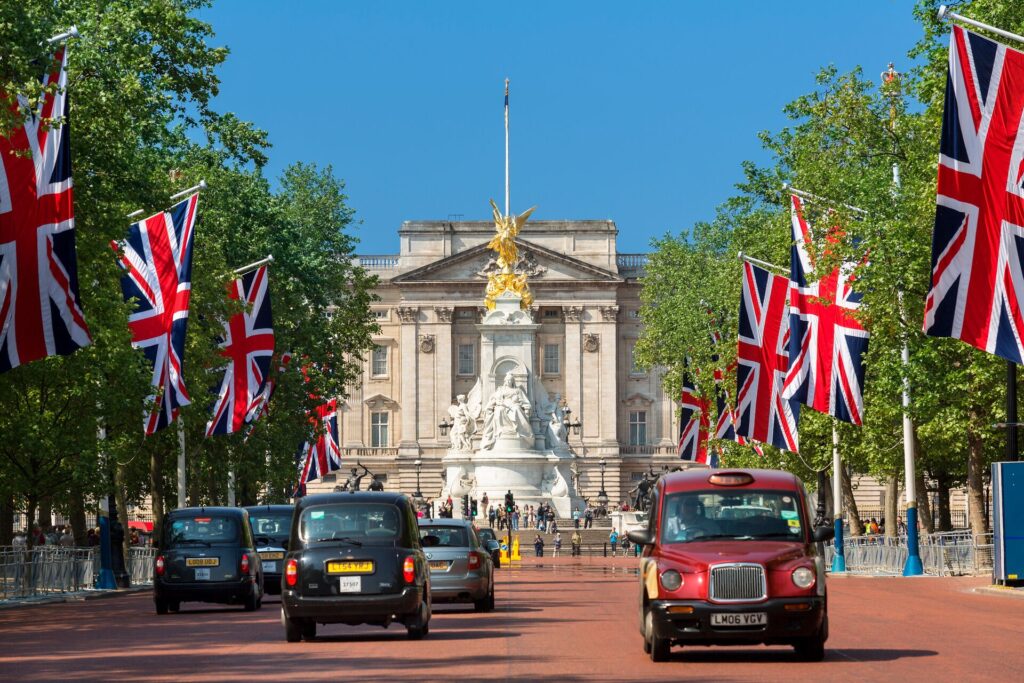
(461, 568)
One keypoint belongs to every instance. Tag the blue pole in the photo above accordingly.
(106, 578)
(839, 557)
(913, 567)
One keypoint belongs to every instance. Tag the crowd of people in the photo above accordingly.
(63, 536)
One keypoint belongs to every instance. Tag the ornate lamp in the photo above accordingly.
(574, 426)
(602, 496)
(445, 426)
(417, 497)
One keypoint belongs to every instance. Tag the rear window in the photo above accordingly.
(450, 536)
(359, 522)
(202, 529)
(273, 525)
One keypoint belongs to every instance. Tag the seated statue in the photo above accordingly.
(506, 415)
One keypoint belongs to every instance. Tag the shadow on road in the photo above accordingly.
(730, 655)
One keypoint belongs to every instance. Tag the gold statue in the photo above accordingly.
(506, 229)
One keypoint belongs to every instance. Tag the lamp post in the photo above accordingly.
(445, 426)
(574, 426)
(418, 495)
(602, 496)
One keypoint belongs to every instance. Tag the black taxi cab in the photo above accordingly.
(730, 558)
(355, 558)
(271, 525)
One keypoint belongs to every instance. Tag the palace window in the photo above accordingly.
(379, 430)
(552, 365)
(380, 314)
(637, 427)
(467, 359)
(380, 361)
(634, 369)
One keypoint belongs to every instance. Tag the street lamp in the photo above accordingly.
(574, 426)
(445, 426)
(418, 496)
(602, 496)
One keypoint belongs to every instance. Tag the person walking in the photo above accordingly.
(491, 515)
(577, 542)
(486, 503)
(613, 540)
(588, 519)
(625, 545)
(538, 546)
(576, 517)
(558, 543)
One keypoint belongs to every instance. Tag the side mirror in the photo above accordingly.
(824, 534)
(640, 537)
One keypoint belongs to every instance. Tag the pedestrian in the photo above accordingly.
(558, 543)
(491, 515)
(67, 539)
(901, 526)
(134, 537)
(538, 546)
(577, 542)
(613, 540)
(551, 520)
(576, 517)
(92, 538)
(553, 529)
(486, 503)
(588, 519)
(625, 545)
(515, 519)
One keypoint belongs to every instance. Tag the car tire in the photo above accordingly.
(812, 649)
(419, 627)
(292, 630)
(161, 606)
(657, 648)
(251, 602)
(308, 630)
(174, 605)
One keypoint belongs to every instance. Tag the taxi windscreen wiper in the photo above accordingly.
(344, 539)
(193, 540)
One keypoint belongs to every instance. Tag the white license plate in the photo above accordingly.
(739, 618)
(202, 573)
(270, 567)
(350, 584)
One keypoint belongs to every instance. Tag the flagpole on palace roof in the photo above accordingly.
(944, 12)
(507, 209)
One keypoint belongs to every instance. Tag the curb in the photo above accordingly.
(1003, 591)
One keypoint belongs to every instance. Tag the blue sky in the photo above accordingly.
(640, 112)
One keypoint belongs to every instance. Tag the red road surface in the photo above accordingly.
(574, 621)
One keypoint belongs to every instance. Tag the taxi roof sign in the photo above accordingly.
(731, 478)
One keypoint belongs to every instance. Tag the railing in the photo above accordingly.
(371, 451)
(631, 260)
(945, 554)
(378, 261)
(647, 450)
(46, 570)
(139, 565)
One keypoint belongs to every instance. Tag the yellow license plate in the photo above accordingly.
(349, 567)
(439, 564)
(202, 561)
(271, 556)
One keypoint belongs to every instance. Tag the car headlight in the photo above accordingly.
(803, 577)
(671, 580)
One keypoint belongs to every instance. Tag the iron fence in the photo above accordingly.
(954, 553)
(139, 565)
(46, 570)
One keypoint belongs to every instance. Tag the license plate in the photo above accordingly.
(203, 574)
(272, 556)
(439, 564)
(270, 567)
(350, 584)
(202, 561)
(338, 567)
(740, 619)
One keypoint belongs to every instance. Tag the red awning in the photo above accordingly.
(141, 526)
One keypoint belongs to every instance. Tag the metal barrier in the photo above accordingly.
(139, 565)
(46, 570)
(954, 553)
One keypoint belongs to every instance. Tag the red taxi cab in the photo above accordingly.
(730, 558)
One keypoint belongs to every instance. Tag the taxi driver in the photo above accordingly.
(687, 521)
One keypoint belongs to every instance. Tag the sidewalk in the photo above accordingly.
(77, 596)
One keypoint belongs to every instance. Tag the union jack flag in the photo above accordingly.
(826, 343)
(261, 403)
(977, 261)
(40, 309)
(725, 425)
(157, 258)
(694, 424)
(249, 343)
(323, 455)
(763, 358)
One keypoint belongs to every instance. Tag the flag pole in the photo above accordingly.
(507, 209)
(839, 557)
(944, 12)
(254, 265)
(194, 188)
(759, 262)
(70, 33)
(786, 187)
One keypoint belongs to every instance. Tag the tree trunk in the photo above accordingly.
(156, 489)
(122, 508)
(76, 515)
(30, 515)
(892, 499)
(924, 507)
(850, 505)
(46, 514)
(975, 480)
(944, 521)
(6, 520)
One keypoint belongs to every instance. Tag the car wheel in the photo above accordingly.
(657, 648)
(174, 605)
(309, 630)
(420, 626)
(251, 603)
(292, 631)
(161, 606)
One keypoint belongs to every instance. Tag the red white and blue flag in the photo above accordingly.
(694, 423)
(249, 345)
(827, 344)
(322, 455)
(762, 360)
(261, 404)
(40, 309)
(157, 258)
(978, 240)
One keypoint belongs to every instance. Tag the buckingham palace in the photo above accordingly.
(586, 302)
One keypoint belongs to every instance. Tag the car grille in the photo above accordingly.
(738, 583)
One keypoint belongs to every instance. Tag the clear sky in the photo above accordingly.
(639, 112)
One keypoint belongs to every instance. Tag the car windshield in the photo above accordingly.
(272, 525)
(350, 523)
(202, 530)
(740, 515)
(450, 536)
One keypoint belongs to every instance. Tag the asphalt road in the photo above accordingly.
(566, 620)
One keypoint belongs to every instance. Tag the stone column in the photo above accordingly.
(609, 376)
(443, 376)
(574, 360)
(408, 445)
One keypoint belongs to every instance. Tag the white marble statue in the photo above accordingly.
(555, 414)
(506, 415)
(463, 425)
(554, 483)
